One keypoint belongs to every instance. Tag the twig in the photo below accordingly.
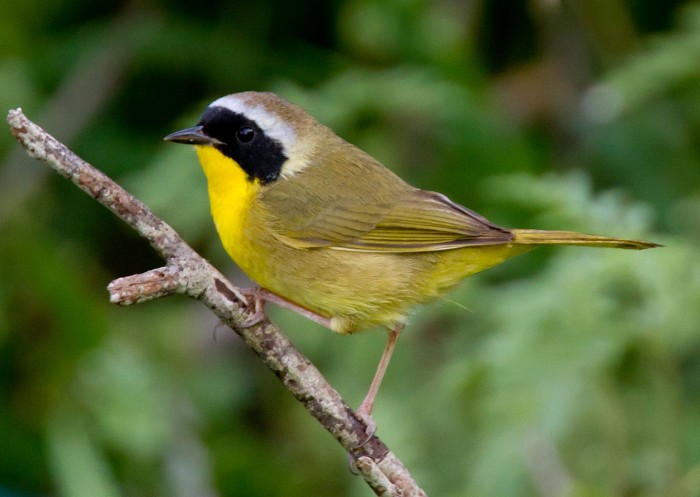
(186, 272)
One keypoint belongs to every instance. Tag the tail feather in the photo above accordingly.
(542, 237)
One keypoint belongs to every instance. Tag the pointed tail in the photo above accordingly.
(541, 237)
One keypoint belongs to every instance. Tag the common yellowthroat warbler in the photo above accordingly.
(329, 232)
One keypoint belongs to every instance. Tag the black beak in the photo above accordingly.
(192, 136)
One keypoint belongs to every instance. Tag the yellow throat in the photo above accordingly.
(231, 193)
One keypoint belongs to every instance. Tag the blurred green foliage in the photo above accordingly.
(567, 372)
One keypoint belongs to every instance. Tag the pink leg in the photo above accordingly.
(365, 409)
(260, 296)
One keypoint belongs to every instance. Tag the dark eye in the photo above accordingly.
(245, 134)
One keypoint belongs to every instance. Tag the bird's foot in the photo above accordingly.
(364, 413)
(256, 307)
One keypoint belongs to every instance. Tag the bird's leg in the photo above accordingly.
(365, 409)
(260, 296)
(364, 412)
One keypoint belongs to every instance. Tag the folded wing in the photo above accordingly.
(415, 221)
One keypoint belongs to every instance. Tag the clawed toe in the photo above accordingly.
(370, 426)
(256, 308)
(370, 429)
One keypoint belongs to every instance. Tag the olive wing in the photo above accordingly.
(415, 221)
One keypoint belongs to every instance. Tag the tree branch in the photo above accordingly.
(187, 272)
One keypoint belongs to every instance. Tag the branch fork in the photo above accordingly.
(188, 273)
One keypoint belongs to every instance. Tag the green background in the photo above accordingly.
(565, 372)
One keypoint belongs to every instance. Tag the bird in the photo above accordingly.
(328, 231)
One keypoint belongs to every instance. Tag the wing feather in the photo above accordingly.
(421, 222)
